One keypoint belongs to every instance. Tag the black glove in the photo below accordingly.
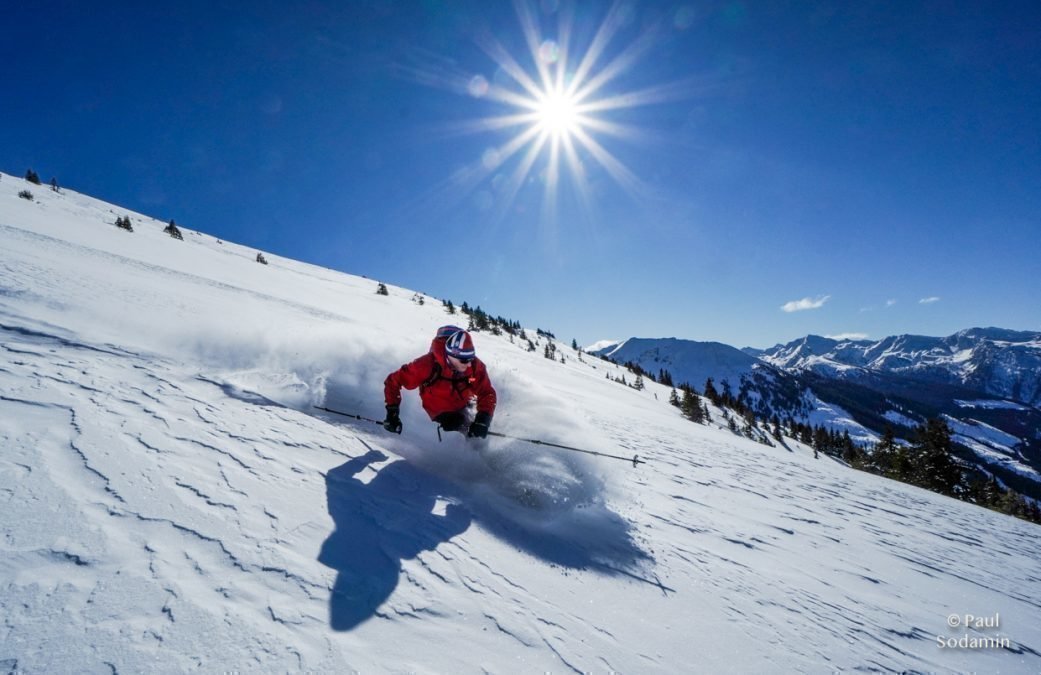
(479, 427)
(393, 421)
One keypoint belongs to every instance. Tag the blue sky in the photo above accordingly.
(857, 157)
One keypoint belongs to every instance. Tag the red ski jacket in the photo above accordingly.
(440, 388)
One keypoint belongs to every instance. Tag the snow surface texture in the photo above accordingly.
(170, 500)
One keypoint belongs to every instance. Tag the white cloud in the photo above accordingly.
(891, 302)
(600, 344)
(849, 336)
(805, 303)
(929, 300)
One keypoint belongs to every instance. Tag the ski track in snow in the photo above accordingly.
(179, 506)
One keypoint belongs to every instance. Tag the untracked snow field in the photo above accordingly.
(171, 500)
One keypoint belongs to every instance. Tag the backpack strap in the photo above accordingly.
(435, 375)
(458, 383)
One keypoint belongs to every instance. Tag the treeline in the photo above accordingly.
(481, 321)
(478, 320)
(638, 372)
(929, 462)
(739, 416)
(821, 439)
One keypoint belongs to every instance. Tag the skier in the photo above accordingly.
(449, 376)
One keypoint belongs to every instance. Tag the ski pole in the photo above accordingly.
(635, 458)
(357, 417)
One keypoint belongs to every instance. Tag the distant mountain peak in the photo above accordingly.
(993, 361)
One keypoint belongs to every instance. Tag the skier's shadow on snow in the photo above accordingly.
(379, 524)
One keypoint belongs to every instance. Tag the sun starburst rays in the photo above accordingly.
(554, 107)
(560, 104)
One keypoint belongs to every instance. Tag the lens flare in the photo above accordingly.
(557, 106)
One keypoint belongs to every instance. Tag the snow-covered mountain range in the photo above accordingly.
(171, 500)
(994, 361)
(986, 382)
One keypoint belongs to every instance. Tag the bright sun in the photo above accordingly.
(557, 114)
(558, 110)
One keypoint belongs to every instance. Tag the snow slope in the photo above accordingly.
(170, 500)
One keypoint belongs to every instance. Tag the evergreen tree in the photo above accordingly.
(821, 442)
(173, 231)
(31, 176)
(674, 398)
(884, 455)
(1013, 504)
(54, 184)
(727, 394)
(937, 470)
(638, 382)
(710, 392)
(574, 344)
(902, 467)
(1033, 512)
(851, 455)
(381, 289)
(992, 492)
(691, 406)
